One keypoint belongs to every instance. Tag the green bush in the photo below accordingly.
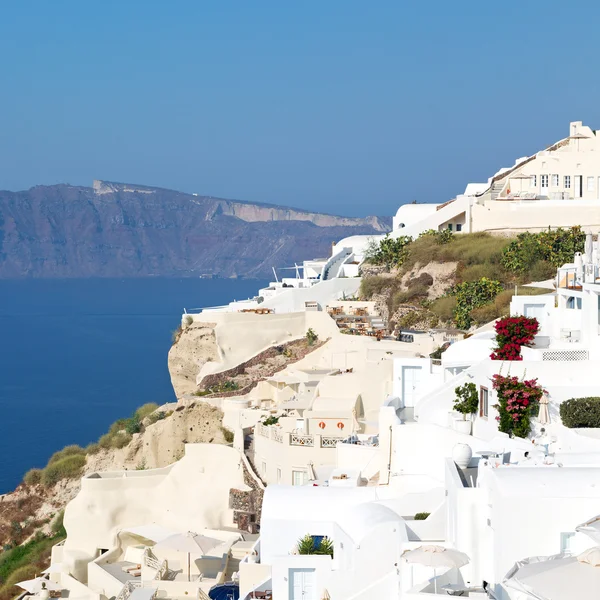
(375, 284)
(116, 440)
(227, 434)
(421, 516)
(157, 416)
(92, 448)
(556, 247)
(473, 294)
(308, 545)
(271, 420)
(581, 412)
(146, 410)
(69, 467)
(311, 336)
(66, 451)
(444, 308)
(21, 574)
(467, 399)
(33, 477)
(389, 252)
(133, 425)
(57, 527)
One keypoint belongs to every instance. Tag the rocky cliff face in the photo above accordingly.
(124, 230)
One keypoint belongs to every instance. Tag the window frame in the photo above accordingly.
(555, 180)
(590, 184)
(533, 182)
(567, 182)
(484, 407)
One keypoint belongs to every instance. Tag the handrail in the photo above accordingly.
(127, 590)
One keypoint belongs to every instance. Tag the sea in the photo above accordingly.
(78, 354)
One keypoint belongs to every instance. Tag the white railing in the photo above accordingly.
(276, 435)
(150, 560)
(330, 442)
(565, 355)
(262, 430)
(202, 595)
(297, 439)
(128, 588)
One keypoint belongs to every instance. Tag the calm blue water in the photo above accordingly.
(76, 355)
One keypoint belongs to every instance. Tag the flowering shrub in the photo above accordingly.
(518, 401)
(512, 333)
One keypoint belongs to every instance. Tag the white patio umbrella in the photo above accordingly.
(190, 543)
(547, 284)
(325, 595)
(34, 586)
(312, 476)
(544, 415)
(434, 556)
(591, 528)
(558, 578)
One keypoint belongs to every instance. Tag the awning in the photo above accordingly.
(150, 531)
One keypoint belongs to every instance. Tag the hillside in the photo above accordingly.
(125, 230)
(460, 281)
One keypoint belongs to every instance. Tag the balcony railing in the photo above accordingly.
(297, 439)
(330, 442)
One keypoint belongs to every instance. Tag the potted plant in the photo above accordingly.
(466, 403)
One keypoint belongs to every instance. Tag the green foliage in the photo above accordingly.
(271, 420)
(389, 252)
(141, 466)
(376, 284)
(146, 410)
(133, 425)
(227, 434)
(118, 439)
(92, 448)
(57, 526)
(425, 318)
(421, 516)
(18, 563)
(467, 249)
(188, 320)
(69, 467)
(311, 336)
(581, 412)
(443, 236)
(467, 400)
(444, 308)
(159, 415)
(556, 247)
(33, 477)
(470, 295)
(66, 451)
(308, 545)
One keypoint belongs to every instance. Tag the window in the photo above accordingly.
(590, 184)
(264, 469)
(567, 182)
(450, 226)
(459, 227)
(573, 302)
(299, 477)
(566, 541)
(555, 180)
(544, 181)
(533, 182)
(278, 475)
(484, 397)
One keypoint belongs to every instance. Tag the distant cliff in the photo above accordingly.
(126, 230)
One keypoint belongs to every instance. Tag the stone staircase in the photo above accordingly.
(497, 187)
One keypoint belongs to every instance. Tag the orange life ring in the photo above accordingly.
(322, 425)
(340, 425)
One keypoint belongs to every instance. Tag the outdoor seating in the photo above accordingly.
(266, 595)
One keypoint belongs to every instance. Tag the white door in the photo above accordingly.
(544, 185)
(537, 311)
(302, 584)
(411, 376)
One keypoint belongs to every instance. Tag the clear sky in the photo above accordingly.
(340, 106)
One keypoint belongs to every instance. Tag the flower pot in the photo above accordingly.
(461, 455)
(462, 426)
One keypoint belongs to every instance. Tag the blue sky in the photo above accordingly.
(339, 106)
